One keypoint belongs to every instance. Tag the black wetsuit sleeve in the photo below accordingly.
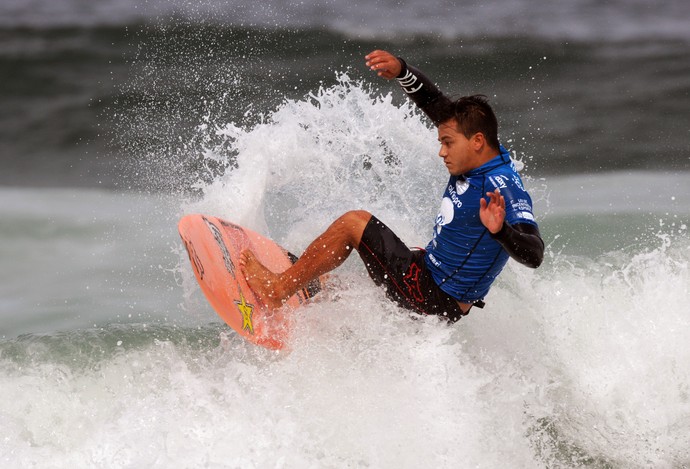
(522, 242)
(423, 92)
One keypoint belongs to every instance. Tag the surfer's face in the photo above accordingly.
(458, 152)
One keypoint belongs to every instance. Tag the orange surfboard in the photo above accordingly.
(214, 246)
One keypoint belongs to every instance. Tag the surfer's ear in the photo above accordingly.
(478, 141)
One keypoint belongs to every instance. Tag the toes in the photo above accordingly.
(245, 258)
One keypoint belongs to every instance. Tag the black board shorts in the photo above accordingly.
(402, 272)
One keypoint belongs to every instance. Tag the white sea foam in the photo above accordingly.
(567, 365)
(583, 362)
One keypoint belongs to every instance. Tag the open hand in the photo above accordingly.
(493, 213)
(384, 63)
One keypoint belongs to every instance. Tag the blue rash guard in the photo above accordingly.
(463, 258)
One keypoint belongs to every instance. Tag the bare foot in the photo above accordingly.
(262, 281)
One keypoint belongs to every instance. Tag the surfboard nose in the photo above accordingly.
(184, 226)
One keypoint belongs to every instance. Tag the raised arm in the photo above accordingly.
(418, 87)
(522, 241)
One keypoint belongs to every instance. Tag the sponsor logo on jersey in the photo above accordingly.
(521, 205)
(454, 196)
(522, 208)
(461, 186)
(518, 182)
(498, 181)
(446, 214)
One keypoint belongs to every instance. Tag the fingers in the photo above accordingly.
(492, 212)
(495, 197)
(376, 56)
(384, 63)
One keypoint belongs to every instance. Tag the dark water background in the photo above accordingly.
(89, 95)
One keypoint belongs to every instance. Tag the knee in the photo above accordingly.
(353, 223)
(355, 219)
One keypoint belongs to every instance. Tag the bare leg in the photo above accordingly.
(324, 254)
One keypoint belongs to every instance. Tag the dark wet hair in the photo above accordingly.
(472, 114)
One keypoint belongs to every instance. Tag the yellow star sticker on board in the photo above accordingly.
(247, 310)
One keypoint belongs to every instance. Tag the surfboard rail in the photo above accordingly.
(214, 246)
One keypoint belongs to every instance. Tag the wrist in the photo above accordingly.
(501, 233)
(403, 67)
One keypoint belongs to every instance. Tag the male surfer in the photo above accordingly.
(485, 217)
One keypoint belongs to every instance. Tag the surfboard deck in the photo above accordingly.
(214, 246)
